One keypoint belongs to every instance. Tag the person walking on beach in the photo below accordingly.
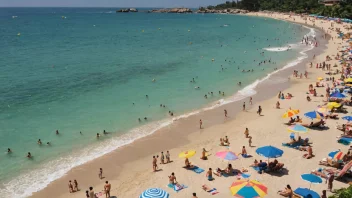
(70, 187)
(200, 123)
(225, 111)
(162, 158)
(100, 173)
(246, 133)
(244, 106)
(250, 100)
(330, 180)
(91, 193)
(107, 188)
(75, 185)
(259, 110)
(250, 141)
(154, 163)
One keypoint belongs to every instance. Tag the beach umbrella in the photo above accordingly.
(332, 105)
(154, 193)
(348, 80)
(314, 115)
(337, 95)
(305, 192)
(297, 128)
(248, 189)
(348, 118)
(323, 110)
(290, 113)
(187, 154)
(226, 155)
(313, 179)
(269, 152)
(337, 155)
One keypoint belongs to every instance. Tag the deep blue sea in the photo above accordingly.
(90, 69)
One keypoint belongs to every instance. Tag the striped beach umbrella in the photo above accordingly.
(248, 189)
(154, 193)
(290, 113)
(187, 154)
(297, 128)
(314, 115)
(337, 155)
(226, 155)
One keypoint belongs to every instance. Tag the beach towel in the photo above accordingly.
(256, 168)
(294, 145)
(196, 169)
(345, 140)
(245, 175)
(177, 187)
(99, 194)
(213, 191)
(246, 155)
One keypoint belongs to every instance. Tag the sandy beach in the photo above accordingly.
(129, 169)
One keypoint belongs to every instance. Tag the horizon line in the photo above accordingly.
(91, 7)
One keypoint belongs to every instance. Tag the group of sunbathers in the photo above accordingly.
(268, 167)
(295, 120)
(224, 141)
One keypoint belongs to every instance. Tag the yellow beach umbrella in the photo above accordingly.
(320, 78)
(323, 110)
(290, 113)
(187, 154)
(332, 105)
(348, 80)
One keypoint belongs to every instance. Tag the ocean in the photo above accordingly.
(89, 69)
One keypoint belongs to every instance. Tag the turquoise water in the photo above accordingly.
(76, 69)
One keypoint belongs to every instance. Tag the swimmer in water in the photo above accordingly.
(104, 132)
(196, 87)
(48, 143)
(145, 118)
(146, 96)
(9, 150)
(29, 155)
(57, 132)
(39, 142)
(239, 83)
(205, 96)
(139, 120)
(98, 135)
(80, 132)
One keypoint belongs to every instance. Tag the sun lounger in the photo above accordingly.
(277, 168)
(329, 162)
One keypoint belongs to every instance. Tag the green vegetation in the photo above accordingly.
(342, 193)
(341, 10)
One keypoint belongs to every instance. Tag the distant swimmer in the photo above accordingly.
(29, 155)
(39, 142)
(57, 132)
(80, 132)
(197, 87)
(153, 80)
(48, 143)
(104, 132)
(139, 120)
(239, 83)
(145, 118)
(146, 96)
(98, 135)
(223, 93)
(9, 150)
(132, 103)
(205, 96)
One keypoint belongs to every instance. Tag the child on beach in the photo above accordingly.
(100, 173)
(259, 110)
(246, 133)
(167, 157)
(70, 187)
(250, 141)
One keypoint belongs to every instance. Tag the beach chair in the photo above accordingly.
(329, 162)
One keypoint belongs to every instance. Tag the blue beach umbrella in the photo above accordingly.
(314, 115)
(154, 193)
(337, 95)
(269, 152)
(313, 179)
(348, 118)
(305, 192)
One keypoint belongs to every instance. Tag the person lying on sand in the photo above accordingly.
(255, 163)
(287, 192)
(222, 143)
(229, 169)
(309, 154)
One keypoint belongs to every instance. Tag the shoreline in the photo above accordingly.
(168, 142)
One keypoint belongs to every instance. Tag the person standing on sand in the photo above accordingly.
(324, 194)
(107, 188)
(250, 141)
(162, 158)
(194, 195)
(244, 106)
(200, 123)
(87, 193)
(100, 173)
(75, 185)
(91, 192)
(250, 100)
(246, 133)
(70, 187)
(167, 157)
(225, 111)
(330, 180)
(259, 110)
(154, 163)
